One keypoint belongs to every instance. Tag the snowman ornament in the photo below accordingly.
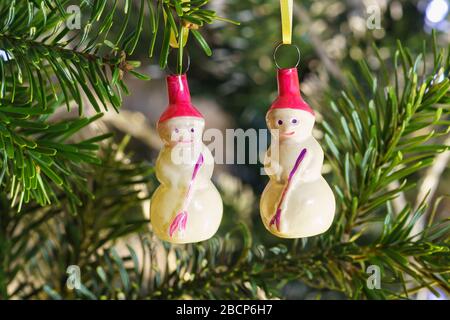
(297, 202)
(186, 207)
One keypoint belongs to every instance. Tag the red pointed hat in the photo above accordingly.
(289, 92)
(179, 99)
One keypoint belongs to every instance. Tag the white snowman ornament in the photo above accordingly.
(186, 207)
(297, 202)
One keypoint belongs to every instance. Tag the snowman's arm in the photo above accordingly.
(208, 164)
(160, 169)
(272, 166)
(312, 169)
(170, 174)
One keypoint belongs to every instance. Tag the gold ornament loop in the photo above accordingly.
(275, 51)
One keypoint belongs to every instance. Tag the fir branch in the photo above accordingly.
(179, 17)
(382, 142)
(46, 52)
(230, 268)
(38, 158)
(40, 243)
(47, 64)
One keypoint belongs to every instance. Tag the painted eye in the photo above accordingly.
(280, 122)
(176, 130)
(294, 121)
(192, 130)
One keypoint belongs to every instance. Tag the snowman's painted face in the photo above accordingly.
(184, 131)
(290, 124)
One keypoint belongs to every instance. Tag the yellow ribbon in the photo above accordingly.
(173, 38)
(286, 20)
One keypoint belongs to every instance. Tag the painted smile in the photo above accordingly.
(185, 141)
(287, 134)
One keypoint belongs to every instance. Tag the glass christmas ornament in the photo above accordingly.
(186, 207)
(297, 202)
